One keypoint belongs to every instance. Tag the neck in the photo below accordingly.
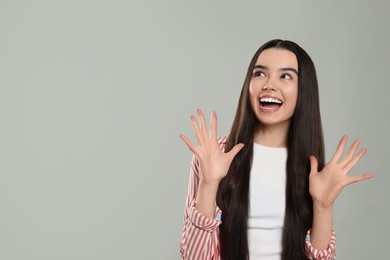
(272, 136)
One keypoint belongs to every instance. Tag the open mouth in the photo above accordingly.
(270, 103)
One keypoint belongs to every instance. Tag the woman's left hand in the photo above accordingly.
(325, 186)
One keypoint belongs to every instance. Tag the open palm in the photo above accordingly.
(214, 163)
(325, 186)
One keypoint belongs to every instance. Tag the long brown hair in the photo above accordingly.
(304, 139)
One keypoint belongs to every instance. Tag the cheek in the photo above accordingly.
(293, 97)
(254, 88)
(251, 88)
(253, 94)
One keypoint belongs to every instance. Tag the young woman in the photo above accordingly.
(264, 191)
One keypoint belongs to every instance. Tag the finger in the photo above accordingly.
(355, 160)
(189, 144)
(359, 178)
(350, 153)
(203, 125)
(235, 150)
(213, 125)
(313, 164)
(340, 150)
(198, 134)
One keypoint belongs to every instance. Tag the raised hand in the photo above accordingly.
(214, 163)
(326, 185)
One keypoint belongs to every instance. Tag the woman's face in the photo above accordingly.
(273, 88)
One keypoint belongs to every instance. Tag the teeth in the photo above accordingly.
(271, 100)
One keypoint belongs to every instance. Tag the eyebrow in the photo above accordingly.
(281, 69)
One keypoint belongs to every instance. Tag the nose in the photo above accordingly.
(270, 86)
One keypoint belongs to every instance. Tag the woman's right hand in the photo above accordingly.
(214, 163)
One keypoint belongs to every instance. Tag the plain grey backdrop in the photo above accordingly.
(93, 96)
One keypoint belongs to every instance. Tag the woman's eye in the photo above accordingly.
(286, 76)
(259, 74)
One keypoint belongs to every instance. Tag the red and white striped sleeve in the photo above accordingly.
(200, 235)
(313, 253)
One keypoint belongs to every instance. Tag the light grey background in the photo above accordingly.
(93, 96)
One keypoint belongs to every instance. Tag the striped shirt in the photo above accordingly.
(200, 235)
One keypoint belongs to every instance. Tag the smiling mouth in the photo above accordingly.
(268, 102)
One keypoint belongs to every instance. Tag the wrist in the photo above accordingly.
(209, 183)
(322, 208)
(209, 187)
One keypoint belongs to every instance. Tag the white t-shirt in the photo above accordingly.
(267, 202)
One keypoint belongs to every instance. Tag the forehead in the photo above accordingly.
(277, 58)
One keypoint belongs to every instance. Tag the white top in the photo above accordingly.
(267, 202)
